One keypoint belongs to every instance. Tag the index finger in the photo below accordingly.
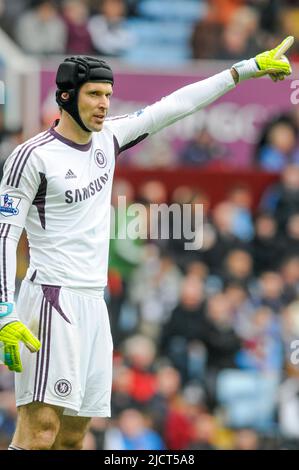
(284, 46)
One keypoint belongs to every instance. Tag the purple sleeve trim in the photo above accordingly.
(116, 147)
(11, 181)
(4, 231)
(33, 276)
(133, 142)
(40, 200)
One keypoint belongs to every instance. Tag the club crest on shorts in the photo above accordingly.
(9, 205)
(100, 158)
(62, 388)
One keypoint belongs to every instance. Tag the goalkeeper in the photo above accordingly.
(64, 205)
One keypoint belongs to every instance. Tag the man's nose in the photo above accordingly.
(103, 103)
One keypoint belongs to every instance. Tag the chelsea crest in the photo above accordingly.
(100, 158)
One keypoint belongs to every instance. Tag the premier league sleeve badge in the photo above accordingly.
(9, 205)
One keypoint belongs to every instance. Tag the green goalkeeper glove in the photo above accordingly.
(11, 332)
(273, 63)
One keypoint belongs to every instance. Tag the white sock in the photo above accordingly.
(14, 447)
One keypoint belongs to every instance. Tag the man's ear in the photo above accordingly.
(65, 96)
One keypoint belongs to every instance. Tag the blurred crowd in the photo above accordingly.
(172, 30)
(206, 338)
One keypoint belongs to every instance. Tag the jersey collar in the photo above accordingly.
(70, 143)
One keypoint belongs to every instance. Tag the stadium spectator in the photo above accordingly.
(75, 15)
(223, 10)
(282, 199)
(41, 30)
(221, 239)
(220, 340)
(97, 429)
(134, 433)
(246, 439)
(181, 334)
(289, 270)
(239, 35)
(266, 241)
(241, 198)
(202, 151)
(122, 386)
(270, 292)
(280, 148)
(139, 353)
(239, 299)
(262, 344)
(205, 433)
(238, 267)
(154, 290)
(292, 235)
(108, 30)
(168, 411)
(205, 39)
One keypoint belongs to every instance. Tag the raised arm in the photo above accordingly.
(131, 129)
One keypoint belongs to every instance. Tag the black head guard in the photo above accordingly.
(72, 74)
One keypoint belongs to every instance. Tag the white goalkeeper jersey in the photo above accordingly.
(61, 191)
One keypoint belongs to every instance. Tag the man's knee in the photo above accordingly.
(44, 437)
(72, 440)
(71, 433)
(41, 441)
(37, 427)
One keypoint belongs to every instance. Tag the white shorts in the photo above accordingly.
(73, 368)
